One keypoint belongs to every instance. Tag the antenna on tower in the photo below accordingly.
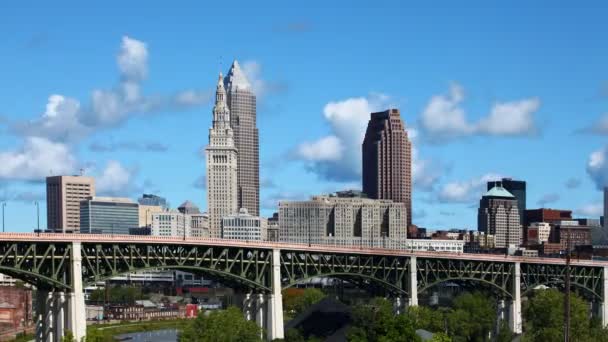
(221, 64)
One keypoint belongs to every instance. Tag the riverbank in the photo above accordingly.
(107, 332)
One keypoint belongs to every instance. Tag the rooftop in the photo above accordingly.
(236, 79)
(499, 191)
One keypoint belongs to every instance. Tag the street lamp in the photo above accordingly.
(3, 206)
(37, 217)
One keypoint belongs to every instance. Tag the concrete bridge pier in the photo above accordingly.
(413, 283)
(397, 305)
(259, 312)
(515, 321)
(274, 323)
(76, 310)
(603, 306)
(44, 316)
(247, 306)
(59, 315)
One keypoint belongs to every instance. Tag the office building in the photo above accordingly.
(272, 232)
(517, 189)
(343, 221)
(569, 234)
(199, 225)
(146, 212)
(221, 157)
(153, 200)
(108, 215)
(605, 208)
(538, 233)
(243, 226)
(63, 197)
(188, 208)
(242, 105)
(171, 223)
(387, 160)
(499, 215)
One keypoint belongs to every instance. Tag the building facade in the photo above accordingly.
(453, 246)
(221, 157)
(145, 214)
(171, 223)
(538, 233)
(517, 188)
(199, 225)
(153, 200)
(243, 112)
(499, 215)
(339, 221)
(63, 197)
(243, 226)
(272, 232)
(108, 215)
(387, 160)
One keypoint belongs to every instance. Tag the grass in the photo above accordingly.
(106, 332)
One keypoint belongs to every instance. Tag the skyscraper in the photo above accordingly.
(242, 105)
(517, 189)
(387, 160)
(221, 155)
(498, 215)
(63, 197)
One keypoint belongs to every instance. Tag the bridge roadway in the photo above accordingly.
(60, 265)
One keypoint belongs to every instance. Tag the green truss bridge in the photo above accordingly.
(61, 265)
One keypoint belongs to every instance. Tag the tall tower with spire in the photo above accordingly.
(221, 155)
(242, 105)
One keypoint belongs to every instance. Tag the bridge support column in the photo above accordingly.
(44, 313)
(413, 283)
(259, 313)
(274, 322)
(59, 315)
(515, 308)
(247, 306)
(76, 317)
(604, 304)
(397, 306)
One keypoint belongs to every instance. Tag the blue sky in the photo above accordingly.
(123, 91)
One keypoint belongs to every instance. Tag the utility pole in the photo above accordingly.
(567, 289)
(3, 206)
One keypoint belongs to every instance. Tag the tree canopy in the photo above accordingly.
(221, 326)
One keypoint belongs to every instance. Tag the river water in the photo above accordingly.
(168, 335)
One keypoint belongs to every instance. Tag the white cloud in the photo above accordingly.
(338, 156)
(466, 191)
(510, 118)
(443, 118)
(115, 180)
(573, 183)
(35, 160)
(260, 86)
(192, 97)
(592, 209)
(425, 172)
(67, 120)
(600, 127)
(597, 167)
(133, 59)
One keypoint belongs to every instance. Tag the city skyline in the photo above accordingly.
(68, 107)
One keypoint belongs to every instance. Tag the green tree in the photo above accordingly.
(221, 326)
(440, 337)
(68, 337)
(472, 317)
(376, 322)
(427, 318)
(296, 301)
(544, 318)
(119, 294)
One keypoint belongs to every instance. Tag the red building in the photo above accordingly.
(15, 307)
(543, 215)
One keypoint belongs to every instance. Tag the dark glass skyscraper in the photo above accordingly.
(242, 105)
(387, 160)
(517, 189)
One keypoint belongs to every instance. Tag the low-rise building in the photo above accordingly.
(108, 215)
(243, 226)
(538, 233)
(200, 225)
(272, 231)
(171, 223)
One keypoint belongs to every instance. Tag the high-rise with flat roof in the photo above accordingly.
(387, 160)
(63, 197)
(498, 215)
(221, 158)
(242, 104)
(108, 215)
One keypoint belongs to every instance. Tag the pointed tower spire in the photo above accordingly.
(221, 113)
(236, 79)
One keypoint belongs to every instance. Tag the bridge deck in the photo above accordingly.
(136, 239)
